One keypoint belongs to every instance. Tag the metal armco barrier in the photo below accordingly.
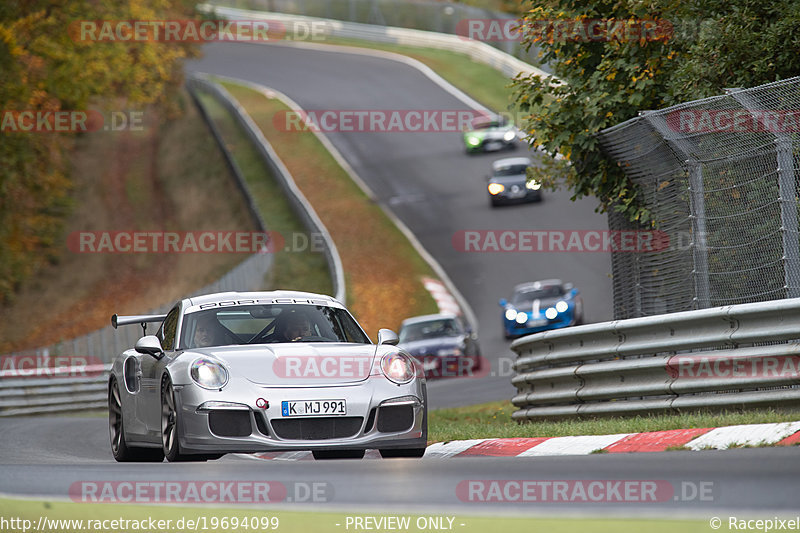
(721, 358)
(298, 201)
(476, 50)
(42, 390)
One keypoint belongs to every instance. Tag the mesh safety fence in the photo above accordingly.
(720, 176)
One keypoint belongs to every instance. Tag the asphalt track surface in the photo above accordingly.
(435, 188)
(47, 456)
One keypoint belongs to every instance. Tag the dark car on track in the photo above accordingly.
(540, 306)
(509, 183)
(444, 345)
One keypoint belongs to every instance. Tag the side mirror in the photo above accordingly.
(387, 336)
(503, 302)
(149, 345)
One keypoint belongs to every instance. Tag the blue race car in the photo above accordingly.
(539, 306)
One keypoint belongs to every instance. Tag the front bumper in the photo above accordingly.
(380, 414)
(514, 329)
(529, 195)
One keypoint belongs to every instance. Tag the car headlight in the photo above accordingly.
(473, 141)
(561, 306)
(522, 318)
(208, 373)
(496, 188)
(397, 367)
(533, 185)
(551, 313)
(511, 314)
(509, 135)
(445, 352)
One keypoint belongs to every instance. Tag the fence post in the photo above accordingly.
(787, 193)
(683, 146)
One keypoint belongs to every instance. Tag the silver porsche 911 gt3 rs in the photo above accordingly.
(263, 371)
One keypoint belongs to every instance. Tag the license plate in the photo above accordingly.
(536, 323)
(313, 408)
(492, 146)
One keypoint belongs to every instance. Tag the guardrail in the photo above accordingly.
(300, 204)
(722, 358)
(476, 50)
(54, 390)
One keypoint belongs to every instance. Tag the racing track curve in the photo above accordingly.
(436, 189)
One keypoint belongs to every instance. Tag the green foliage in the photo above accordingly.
(45, 66)
(697, 49)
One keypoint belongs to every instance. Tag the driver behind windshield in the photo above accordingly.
(206, 332)
(295, 327)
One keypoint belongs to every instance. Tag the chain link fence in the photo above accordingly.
(720, 176)
(441, 17)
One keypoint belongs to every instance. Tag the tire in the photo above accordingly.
(403, 452)
(116, 428)
(320, 455)
(169, 424)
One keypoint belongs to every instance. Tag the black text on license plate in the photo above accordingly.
(313, 408)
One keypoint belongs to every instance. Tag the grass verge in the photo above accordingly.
(100, 516)
(299, 266)
(382, 269)
(493, 420)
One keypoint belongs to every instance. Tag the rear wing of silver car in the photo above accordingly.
(117, 320)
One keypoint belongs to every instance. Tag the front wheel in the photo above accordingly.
(119, 446)
(403, 452)
(169, 424)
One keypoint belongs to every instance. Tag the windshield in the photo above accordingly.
(446, 327)
(543, 293)
(264, 324)
(510, 170)
(483, 124)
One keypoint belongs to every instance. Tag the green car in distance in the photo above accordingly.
(489, 134)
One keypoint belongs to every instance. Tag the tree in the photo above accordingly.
(46, 68)
(672, 52)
